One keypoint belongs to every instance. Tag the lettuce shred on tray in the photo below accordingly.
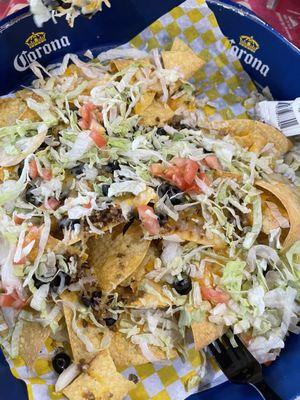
(128, 218)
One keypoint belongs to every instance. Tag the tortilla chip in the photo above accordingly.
(101, 381)
(253, 135)
(269, 220)
(4, 171)
(120, 64)
(10, 110)
(146, 266)
(79, 350)
(28, 113)
(189, 227)
(103, 368)
(152, 297)
(141, 199)
(32, 340)
(32, 144)
(86, 387)
(205, 333)
(57, 246)
(182, 58)
(182, 103)
(180, 45)
(156, 114)
(125, 353)
(15, 108)
(116, 256)
(290, 201)
(144, 102)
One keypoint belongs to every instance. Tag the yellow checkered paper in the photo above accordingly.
(224, 88)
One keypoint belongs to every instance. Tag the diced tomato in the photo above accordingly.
(11, 300)
(22, 261)
(87, 205)
(95, 126)
(214, 295)
(89, 115)
(46, 174)
(194, 188)
(149, 219)
(18, 220)
(86, 110)
(190, 168)
(190, 171)
(52, 203)
(98, 139)
(157, 169)
(181, 173)
(204, 178)
(33, 169)
(84, 125)
(212, 162)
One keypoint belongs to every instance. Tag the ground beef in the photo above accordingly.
(104, 218)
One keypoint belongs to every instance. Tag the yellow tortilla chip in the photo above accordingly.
(180, 45)
(53, 244)
(6, 170)
(290, 200)
(86, 387)
(120, 64)
(144, 102)
(152, 297)
(103, 368)
(141, 199)
(205, 333)
(146, 266)
(101, 381)
(182, 58)
(189, 227)
(183, 103)
(115, 256)
(156, 114)
(79, 349)
(10, 110)
(253, 135)
(32, 340)
(73, 69)
(125, 353)
(269, 219)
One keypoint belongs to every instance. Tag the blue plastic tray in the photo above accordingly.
(116, 26)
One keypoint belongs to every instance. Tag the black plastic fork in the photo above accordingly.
(239, 366)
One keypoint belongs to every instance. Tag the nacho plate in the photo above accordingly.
(116, 218)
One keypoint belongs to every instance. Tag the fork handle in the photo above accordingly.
(265, 391)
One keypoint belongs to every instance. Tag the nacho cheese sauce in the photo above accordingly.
(129, 219)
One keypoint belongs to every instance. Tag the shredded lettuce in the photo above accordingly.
(232, 276)
(257, 224)
(134, 187)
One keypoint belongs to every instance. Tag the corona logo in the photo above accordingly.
(35, 39)
(39, 50)
(248, 58)
(249, 43)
